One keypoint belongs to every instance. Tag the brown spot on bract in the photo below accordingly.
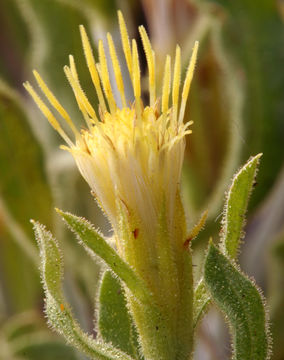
(136, 233)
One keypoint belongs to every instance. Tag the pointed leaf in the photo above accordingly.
(241, 302)
(57, 309)
(95, 244)
(115, 323)
(201, 301)
(236, 206)
(233, 222)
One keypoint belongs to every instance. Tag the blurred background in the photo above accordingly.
(236, 102)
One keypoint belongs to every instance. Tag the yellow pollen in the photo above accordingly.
(105, 78)
(136, 78)
(47, 113)
(55, 103)
(125, 42)
(81, 98)
(176, 84)
(166, 85)
(116, 68)
(144, 144)
(150, 57)
(92, 67)
(73, 68)
(187, 81)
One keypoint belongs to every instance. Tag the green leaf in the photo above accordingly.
(233, 222)
(41, 346)
(57, 309)
(253, 34)
(95, 244)
(241, 302)
(236, 207)
(214, 150)
(276, 296)
(23, 183)
(201, 301)
(115, 322)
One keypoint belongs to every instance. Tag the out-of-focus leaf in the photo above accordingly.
(36, 347)
(26, 338)
(241, 302)
(276, 297)
(114, 315)
(13, 43)
(254, 34)
(18, 275)
(61, 38)
(212, 153)
(24, 193)
(107, 8)
(21, 324)
(23, 184)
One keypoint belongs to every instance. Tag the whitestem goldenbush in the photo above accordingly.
(132, 159)
(132, 156)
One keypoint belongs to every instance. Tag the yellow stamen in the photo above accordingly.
(176, 84)
(150, 57)
(136, 77)
(73, 67)
(47, 113)
(166, 85)
(125, 42)
(105, 78)
(92, 67)
(187, 81)
(81, 98)
(78, 98)
(116, 68)
(54, 102)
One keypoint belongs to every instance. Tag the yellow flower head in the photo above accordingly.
(132, 153)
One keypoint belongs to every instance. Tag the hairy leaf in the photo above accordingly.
(236, 207)
(115, 323)
(241, 302)
(95, 244)
(57, 309)
(201, 302)
(233, 222)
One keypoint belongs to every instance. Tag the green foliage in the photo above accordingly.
(115, 323)
(22, 178)
(233, 221)
(24, 336)
(21, 163)
(239, 77)
(236, 207)
(201, 302)
(97, 245)
(276, 296)
(253, 34)
(241, 302)
(57, 309)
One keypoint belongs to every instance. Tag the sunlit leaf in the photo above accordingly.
(114, 322)
(57, 309)
(242, 304)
